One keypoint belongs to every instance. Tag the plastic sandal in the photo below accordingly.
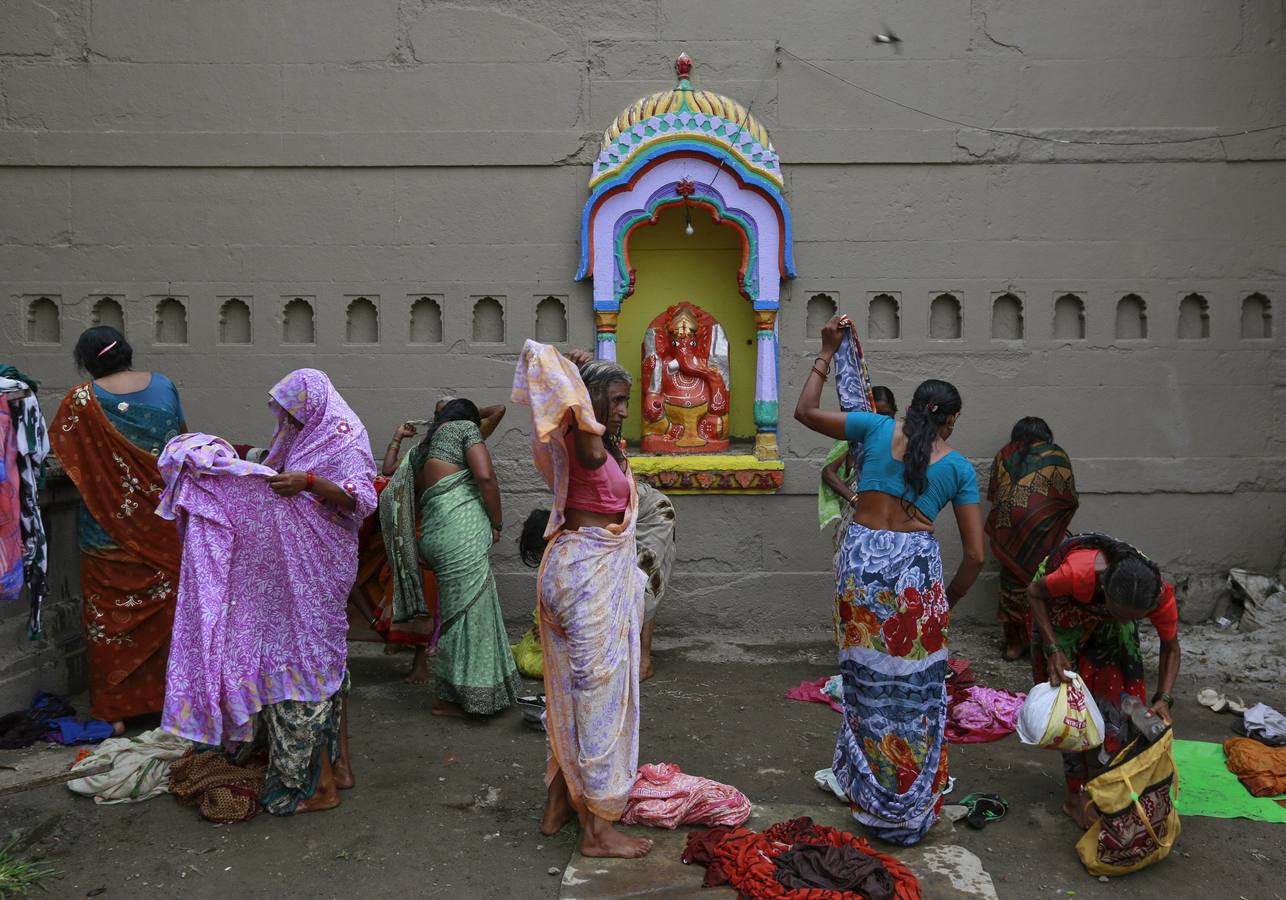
(984, 809)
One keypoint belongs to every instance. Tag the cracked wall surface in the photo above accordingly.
(400, 149)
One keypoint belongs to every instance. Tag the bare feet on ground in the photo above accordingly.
(118, 728)
(645, 669)
(442, 708)
(419, 673)
(558, 812)
(344, 779)
(323, 798)
(602, 839)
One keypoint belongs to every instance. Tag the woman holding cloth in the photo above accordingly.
(891, 611)
(107, 434)
(589, 593)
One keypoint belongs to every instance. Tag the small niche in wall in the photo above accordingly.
(944, 318)
(1256, 318)
(1194, 318)
(108, 311)
(297, 322)
(488, 321)
(234, 322)
(820, 309)
(1069, 318)
(1007, 318)
(44, 321)
(171, 322)
(426, 321)
(883, 321)
(1131, 318)
(551, 321)
(362, 322)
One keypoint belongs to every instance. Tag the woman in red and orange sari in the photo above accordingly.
(107, 434)
(1033, 498)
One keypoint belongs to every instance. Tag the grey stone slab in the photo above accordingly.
(946, 870)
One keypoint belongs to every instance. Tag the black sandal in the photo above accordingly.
(984, 809)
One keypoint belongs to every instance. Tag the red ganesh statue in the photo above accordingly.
(685, 383)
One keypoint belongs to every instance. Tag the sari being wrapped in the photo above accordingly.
(261, 623)
(890, 622)
(590, 605)
(129, 558)
(473, 667)
(1033, 498)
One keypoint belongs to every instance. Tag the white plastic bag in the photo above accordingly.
(1063, 718)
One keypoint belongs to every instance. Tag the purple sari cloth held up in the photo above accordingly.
(265, 579)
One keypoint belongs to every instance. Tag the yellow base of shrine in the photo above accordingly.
(710, 473)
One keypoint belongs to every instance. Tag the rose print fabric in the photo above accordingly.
(891, 617)
(589, 604)
(261, 614)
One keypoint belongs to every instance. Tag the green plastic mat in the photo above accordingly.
(1207, 788)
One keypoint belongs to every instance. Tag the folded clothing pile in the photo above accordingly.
(664, 797)
(140, 767)
(799, 860)
(221, 791)
(1262, 769)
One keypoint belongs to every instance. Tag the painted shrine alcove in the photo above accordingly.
(686, 207)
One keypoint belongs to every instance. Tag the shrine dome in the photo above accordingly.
(684, 119)
(685, 98)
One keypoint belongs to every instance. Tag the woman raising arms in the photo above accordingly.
(891, 611)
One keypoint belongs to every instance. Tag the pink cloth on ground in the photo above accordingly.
(813, 692)
(978, 713)
(664, 797)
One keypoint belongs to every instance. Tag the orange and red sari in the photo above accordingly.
(372, 597)
(129, 557)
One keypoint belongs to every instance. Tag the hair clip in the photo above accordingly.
(105, 349)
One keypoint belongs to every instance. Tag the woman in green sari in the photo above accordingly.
(451, 475)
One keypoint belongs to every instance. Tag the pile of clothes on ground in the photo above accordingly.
(1259, 758)
(799, 860)
(49, 718)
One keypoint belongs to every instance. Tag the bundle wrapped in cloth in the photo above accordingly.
(664, 797)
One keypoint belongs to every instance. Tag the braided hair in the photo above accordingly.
(1132, 582)
(933, 404)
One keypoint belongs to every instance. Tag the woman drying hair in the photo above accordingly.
(1086, 600)
(1033, 498)
(451, 478)
(589, 593)
(891, 611)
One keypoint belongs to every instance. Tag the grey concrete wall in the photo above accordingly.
(400, 148)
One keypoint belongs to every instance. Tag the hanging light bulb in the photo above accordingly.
(687, 218)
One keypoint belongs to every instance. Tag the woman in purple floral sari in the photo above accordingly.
(269, 556)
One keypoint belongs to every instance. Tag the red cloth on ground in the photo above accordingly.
(746, 860)
(812, 692)
(664, 797)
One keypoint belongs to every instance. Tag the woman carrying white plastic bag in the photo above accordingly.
(1086, 600)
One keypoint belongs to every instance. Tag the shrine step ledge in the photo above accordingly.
(714, 473)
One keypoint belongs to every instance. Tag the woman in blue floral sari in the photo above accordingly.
(891, 609)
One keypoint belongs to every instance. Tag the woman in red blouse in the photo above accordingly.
(1086, 600)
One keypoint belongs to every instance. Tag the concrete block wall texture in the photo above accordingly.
(400, 149)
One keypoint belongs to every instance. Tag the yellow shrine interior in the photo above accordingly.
(701, 268)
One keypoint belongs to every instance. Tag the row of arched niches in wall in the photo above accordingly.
(43, 319)
(1008, 323)
(297, 320)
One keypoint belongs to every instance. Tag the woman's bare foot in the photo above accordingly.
(645, 669)
(645, 651)
(344, 779)
(326, 796)
(1016, 643)
(558, 808)
(1077, 809)
(601, 838)
(443, 708)
(343, 768)
(118, 728)
(419, 673)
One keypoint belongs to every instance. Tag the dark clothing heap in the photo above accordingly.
(799, 860)
(49, 718)
(222, 791)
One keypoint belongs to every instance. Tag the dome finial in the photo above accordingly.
(683, 67)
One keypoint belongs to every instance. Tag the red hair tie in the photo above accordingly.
(308, 483)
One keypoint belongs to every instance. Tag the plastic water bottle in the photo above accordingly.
(1145, 723)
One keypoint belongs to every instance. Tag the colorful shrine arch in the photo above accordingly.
(695, 149)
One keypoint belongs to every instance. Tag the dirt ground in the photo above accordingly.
(449, 808)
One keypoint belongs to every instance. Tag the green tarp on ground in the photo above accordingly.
(1207, 788)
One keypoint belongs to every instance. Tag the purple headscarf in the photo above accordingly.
(263, 588)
